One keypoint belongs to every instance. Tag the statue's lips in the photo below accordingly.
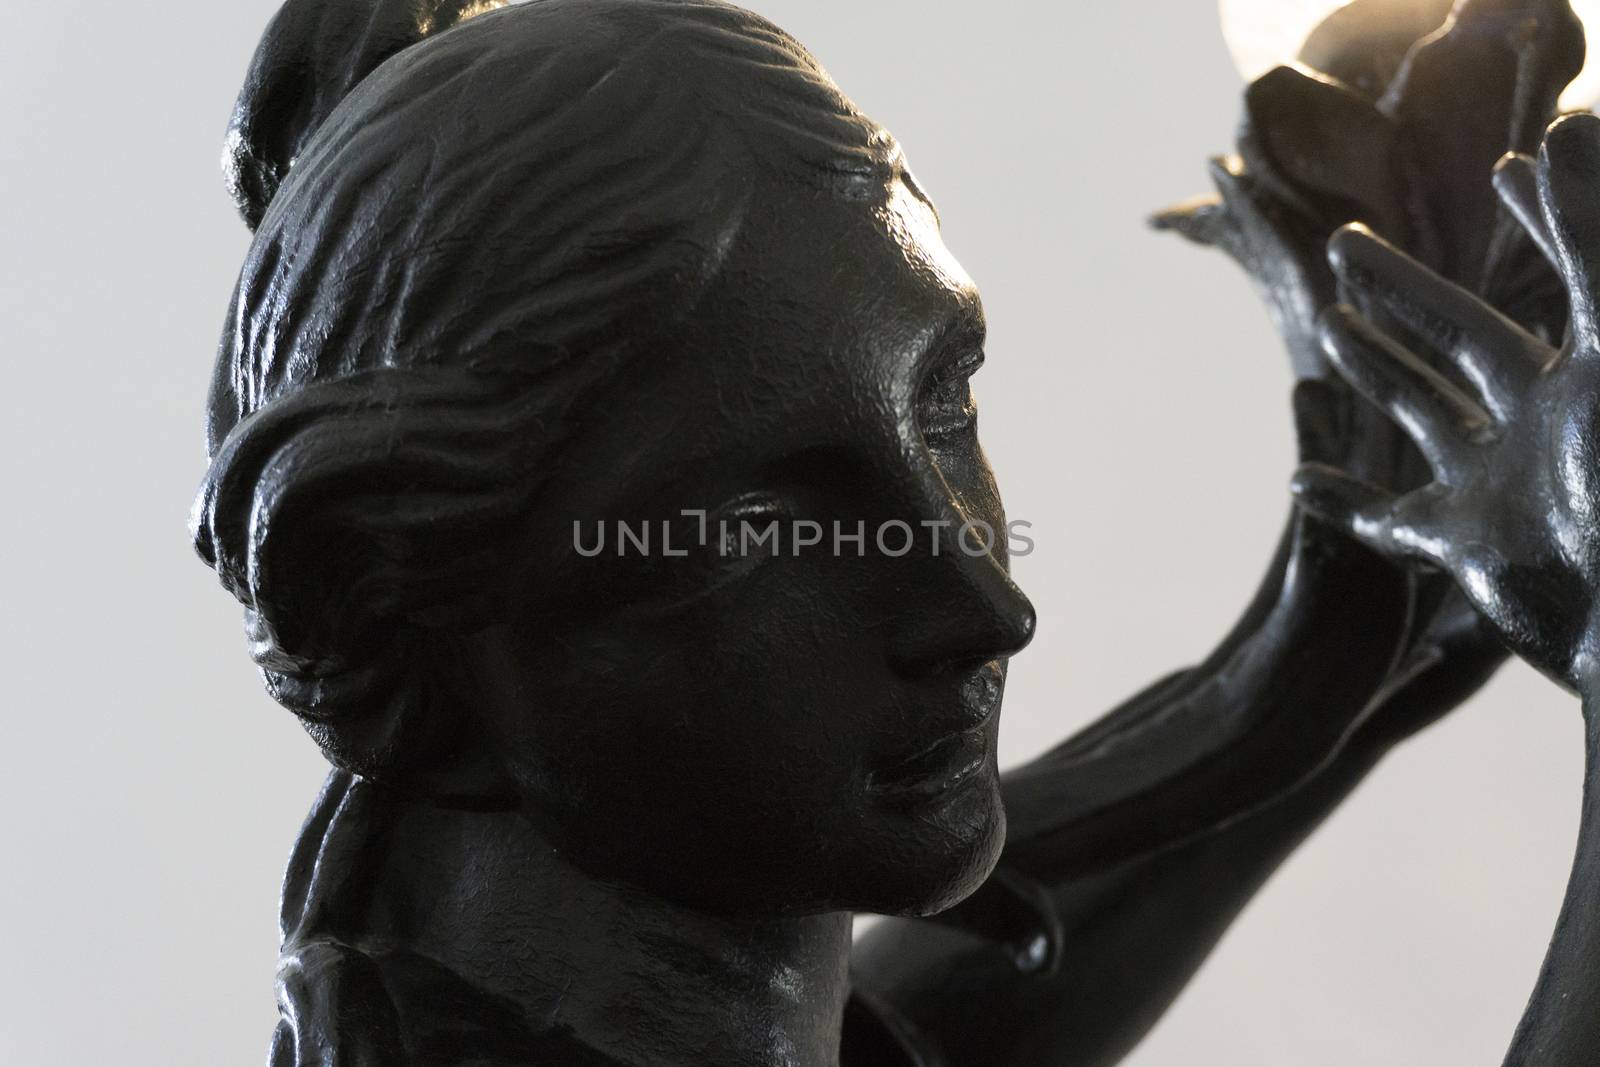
(957, 756)
(943, 765)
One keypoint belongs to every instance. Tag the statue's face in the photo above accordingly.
(793, 727)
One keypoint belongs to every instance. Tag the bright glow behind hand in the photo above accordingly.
(1263, 34)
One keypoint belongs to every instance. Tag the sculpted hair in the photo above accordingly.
(469, 218)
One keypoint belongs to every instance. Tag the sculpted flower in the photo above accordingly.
(1403, 137)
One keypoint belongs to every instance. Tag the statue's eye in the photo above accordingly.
(709, 549)
(946, 408)
(750, 528)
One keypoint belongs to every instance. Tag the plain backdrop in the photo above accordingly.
(1134, 406)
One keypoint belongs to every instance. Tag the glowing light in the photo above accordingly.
(425, 23)
(1263, 34)
(481, 7)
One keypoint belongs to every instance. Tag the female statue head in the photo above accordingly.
(598, 261)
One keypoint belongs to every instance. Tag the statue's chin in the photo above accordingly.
(907, 856)
(965, 842)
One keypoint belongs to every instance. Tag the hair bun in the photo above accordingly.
(313, 54)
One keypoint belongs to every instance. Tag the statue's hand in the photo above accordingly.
(1512, 433)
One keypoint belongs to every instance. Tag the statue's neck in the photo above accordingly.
(630, 975)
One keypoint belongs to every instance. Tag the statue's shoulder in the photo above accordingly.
(349, 995)
(342, 1006)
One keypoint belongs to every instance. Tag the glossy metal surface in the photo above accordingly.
(576, 261)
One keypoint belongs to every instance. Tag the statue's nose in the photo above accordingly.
(966, 612)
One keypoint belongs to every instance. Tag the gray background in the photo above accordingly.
(1134, 406)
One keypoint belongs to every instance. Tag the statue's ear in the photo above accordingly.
(312, 55)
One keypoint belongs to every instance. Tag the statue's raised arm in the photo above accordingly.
(1511, 428)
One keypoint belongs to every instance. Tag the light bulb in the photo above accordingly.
(1263, 34)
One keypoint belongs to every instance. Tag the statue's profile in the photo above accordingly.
(525, 271)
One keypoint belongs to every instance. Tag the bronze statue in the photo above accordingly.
(523, 274)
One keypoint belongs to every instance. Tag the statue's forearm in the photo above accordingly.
(1134, 936)
(1266, 712)
(1131, 934)
(1561, 1027)
(1279, 712)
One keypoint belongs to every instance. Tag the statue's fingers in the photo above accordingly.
(1373, 516)
(1491, 351)
(1441, 419)
(1342, 500)
(1319, 420)
(1569, 173)
(1516, 181)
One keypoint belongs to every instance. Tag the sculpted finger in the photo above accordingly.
(1569, 171)
(1516, 181)
(1441, 419)
(1359, 508)
(1492, 352)
(1319, 420)
(1375, 517)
